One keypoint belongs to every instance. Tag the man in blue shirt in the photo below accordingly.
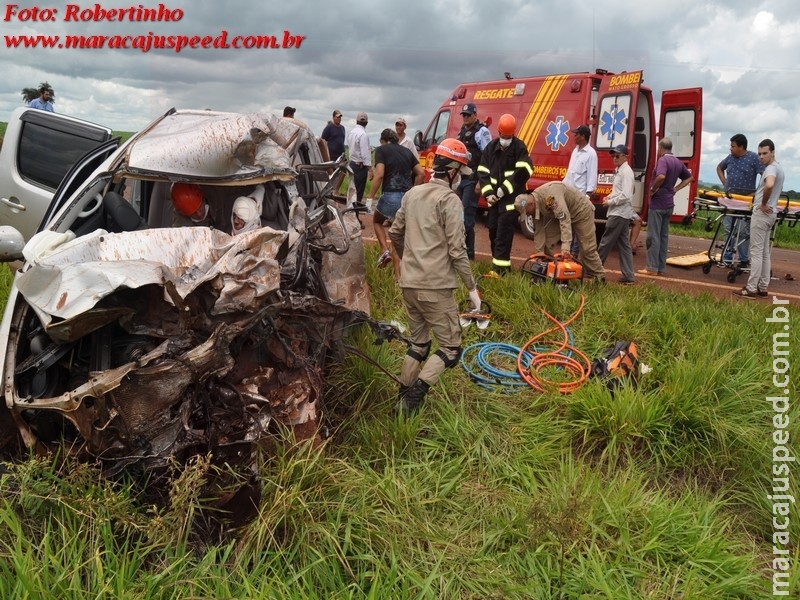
(738, 172)
(334, 134)
(43, 101)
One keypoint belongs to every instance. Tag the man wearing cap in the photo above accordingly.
(360, 155)
(620, 212)
(402, 138)
(559, 209)
(333, 134)
(669, 170)
(475, 136)
(428, 235)
(288, 111)
(582, 170)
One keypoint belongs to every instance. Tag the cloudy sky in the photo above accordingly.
(406, 58)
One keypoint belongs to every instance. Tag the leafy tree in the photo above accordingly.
(29, 94)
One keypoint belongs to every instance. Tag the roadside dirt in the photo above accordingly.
(690, 280)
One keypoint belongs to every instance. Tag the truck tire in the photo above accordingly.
(526, 226)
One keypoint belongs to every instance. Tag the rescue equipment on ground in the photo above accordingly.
(546, 363)
(617, 364)
(555, 269)
(480, 316)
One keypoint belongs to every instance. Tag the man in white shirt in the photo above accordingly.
(765, 213)
(403, 139)
(582, 169)
(360, 156)
(619, 215)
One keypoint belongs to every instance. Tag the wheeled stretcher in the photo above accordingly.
(724, 250)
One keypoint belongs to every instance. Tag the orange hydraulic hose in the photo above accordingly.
(577, 368)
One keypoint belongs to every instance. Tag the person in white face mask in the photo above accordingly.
(503, 174)
(428, 235)
(246, 213)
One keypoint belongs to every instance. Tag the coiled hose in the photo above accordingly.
(482, 361)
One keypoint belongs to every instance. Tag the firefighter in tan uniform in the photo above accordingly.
(557, 210)
(428, 234)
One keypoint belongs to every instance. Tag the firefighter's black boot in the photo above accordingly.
(413, 398)
(402, 391)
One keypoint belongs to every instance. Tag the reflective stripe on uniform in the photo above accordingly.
(501, 262)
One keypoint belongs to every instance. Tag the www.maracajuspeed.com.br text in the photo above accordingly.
(151, 41)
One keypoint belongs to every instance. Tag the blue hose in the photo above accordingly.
(480, 360)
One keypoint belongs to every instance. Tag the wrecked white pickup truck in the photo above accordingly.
(137, 339)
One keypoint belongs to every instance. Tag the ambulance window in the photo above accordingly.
(613, 122)
(679, 127)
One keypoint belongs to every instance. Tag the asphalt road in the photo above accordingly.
(687, 279)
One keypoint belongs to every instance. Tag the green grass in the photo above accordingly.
(124, 135)
(6, 279)
(655, 491)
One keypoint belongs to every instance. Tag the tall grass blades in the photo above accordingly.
(655, 489)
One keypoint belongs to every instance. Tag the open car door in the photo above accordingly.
(682, 122)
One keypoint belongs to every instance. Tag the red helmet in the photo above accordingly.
(186, 197)
(451, 149)
(507, 125)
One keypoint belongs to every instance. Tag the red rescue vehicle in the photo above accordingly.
(618, 107)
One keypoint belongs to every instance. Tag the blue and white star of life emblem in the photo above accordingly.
(557, 133)
(612, 122)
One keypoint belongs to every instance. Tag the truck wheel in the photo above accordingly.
(526, 225)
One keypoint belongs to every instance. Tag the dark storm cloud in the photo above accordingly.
(406, 58)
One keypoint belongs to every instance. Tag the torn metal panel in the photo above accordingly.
(70, 279)
(217, 145)
(345, 276)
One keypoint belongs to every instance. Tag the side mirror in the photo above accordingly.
(11, 244)
(418, 141)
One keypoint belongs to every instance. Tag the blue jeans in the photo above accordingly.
(389, 204)
(658, 238)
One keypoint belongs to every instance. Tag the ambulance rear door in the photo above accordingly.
(615, 122)
(682, 122)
